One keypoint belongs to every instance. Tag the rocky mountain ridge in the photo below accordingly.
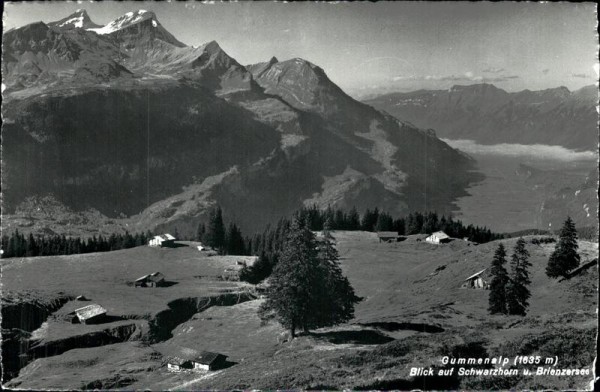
(489, 115)
(126, 120)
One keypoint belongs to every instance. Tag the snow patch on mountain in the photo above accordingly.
(129, 19)
(77, 22)
(79, 19)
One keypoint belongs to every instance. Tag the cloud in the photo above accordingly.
(539, 151)
(581, 75)
(493, 70)
(545, 71)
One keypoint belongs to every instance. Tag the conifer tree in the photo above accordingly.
(307, 289)
(517, 293)
(340, 221)
(370, 219)
(234, 242)
(291, 293)
(565, 258)
(497, 297)
(215, 232)
(337, 298)
(353, 219)
(384, 222)
(399, 226)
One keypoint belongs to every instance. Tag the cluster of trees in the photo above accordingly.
(413, 223)
(307, 288)
(227, 241)
(19, 245)
(508, 292)
(268, 246)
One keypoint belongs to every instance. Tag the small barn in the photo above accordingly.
(163, 241)
(209, 361)
(155, 279)
(90, 314)
(439, 237)
(176, 364)
(388, 236)
(475, 281)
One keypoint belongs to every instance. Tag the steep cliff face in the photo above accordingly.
(20, 317)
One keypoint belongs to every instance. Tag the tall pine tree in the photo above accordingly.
(307, 289)
(234, 242)
(291, 294)
(497, 297)
(200, 232)
(337, 298)
(517, 293)
(353, 219)
(384, 222)
(565, 258)
(215, 232)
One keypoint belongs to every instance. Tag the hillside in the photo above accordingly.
(489, 115)
(413, 311)
(127, 121)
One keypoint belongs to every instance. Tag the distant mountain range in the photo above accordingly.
(490, 115)
(127, 120)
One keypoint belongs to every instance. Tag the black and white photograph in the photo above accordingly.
(238, 196)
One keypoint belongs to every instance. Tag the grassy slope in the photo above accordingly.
(398, 282)
(105, 278)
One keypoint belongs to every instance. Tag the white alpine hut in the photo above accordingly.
(163, 240)
(438, 237)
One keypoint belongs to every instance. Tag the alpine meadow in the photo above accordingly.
(299, 196)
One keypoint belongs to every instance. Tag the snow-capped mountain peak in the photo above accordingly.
(125, 21)
(79, 19)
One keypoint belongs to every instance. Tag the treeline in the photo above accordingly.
(229, 239)
(268, 245)
(413, 223)
(19, 245)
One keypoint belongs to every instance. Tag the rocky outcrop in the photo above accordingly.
(20, 317)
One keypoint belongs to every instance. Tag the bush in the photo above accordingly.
(542, 240)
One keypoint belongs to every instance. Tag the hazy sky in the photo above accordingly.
(367, 47)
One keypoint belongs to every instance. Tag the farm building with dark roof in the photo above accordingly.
(387, 236)
(209, 361)
(155, 279)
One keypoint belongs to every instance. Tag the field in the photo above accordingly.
(413, 312)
